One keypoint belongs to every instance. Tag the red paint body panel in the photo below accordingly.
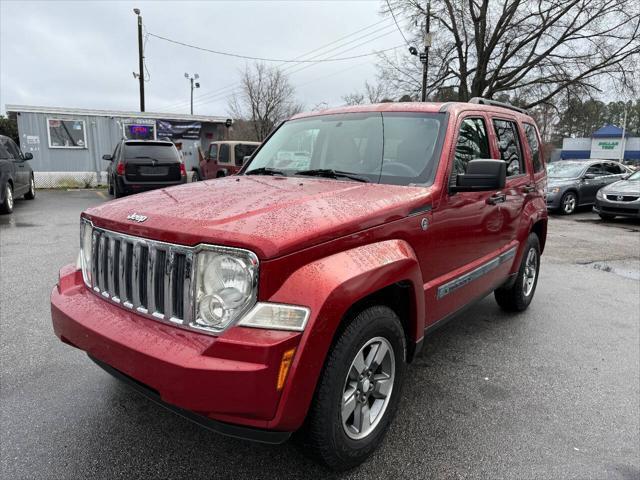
(322, 243)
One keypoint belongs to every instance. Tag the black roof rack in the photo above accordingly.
(495, 103)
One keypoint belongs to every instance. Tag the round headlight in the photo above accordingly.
(225, 287)
(225, 271)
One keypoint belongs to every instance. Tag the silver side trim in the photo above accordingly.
(462, 280)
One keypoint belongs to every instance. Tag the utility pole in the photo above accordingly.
(624, 132)
(191, 79)
(140, 59)
(424, 57)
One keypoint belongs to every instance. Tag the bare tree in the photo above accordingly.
(265, 99)
(373, 93)
(528, 50)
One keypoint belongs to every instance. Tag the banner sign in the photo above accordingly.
(174, 130)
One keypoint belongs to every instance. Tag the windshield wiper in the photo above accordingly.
(265, 171)
(331, 173)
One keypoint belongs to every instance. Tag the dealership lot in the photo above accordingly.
(550, 393)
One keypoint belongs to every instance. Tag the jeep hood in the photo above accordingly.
(272, 216)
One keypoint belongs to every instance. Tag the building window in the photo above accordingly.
(66, 133)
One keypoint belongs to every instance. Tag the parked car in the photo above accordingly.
(223, 159)
(16, 176)
(573, 183)
(297, 295)
(619, 199)
(141, 165)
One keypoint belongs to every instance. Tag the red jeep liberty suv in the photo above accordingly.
(292, 296)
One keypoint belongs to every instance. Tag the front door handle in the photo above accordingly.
(496, 198)
(529, 188)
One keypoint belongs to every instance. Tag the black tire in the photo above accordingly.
(517, 296)
(605, 216)
(110, 186)
(568, 203)
(324, 435)
(220, 175)
(7, 204)
(31, 194)
(117, 192)
(196, 176)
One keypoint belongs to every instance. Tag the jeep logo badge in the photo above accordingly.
(137, 218)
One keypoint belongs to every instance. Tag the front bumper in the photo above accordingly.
(621, 209)
(229, 379)
(553, 200)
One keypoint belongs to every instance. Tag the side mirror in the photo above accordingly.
(589, 176)
(28, 156)
(482, 175)
(107, 157)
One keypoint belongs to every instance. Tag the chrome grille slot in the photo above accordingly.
(153, 278)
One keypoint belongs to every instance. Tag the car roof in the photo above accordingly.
(455, 108)
(148, 142)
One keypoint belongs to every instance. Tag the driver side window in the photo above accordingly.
(472, 144)
(596, 170)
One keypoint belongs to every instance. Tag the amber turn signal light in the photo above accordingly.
(287, 358)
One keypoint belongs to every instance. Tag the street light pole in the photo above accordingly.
(424, 58)
(191, 79)
(140, 59)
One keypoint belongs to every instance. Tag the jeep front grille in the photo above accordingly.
(153, 278)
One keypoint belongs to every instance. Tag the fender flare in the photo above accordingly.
(330, 286)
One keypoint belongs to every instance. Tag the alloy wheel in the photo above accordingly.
(367, 388)
(569, 203)
(530, 271)
(9, 197)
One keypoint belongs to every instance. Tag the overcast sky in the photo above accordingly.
(82, 54)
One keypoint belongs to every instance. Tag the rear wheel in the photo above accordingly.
(117, 191)
(518, 296)
(31, 194)
(568, 203)
(110, 186)
(7, 205)
(359, 390)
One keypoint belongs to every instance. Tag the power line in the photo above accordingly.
(264, 59)
(396, 22)
(229, 89)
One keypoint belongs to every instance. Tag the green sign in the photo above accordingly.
(608, 145)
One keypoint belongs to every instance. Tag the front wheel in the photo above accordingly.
(31, 194)
(359, 390)
(196, 176)
(517, 296)
(568, 203)
(7, 205)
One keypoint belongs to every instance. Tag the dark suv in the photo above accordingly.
(139, 165)
(16, 176)
(293, 295)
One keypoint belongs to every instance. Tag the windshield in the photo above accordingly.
(564, 169)
(393, 148)
(634, 176)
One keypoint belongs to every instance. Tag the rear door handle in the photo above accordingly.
(496, 198)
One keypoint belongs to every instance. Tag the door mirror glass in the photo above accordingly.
(589, 176)
(28, 156)
(107, 157)
(481, 175)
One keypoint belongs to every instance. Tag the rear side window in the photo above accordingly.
(596, 169)
(613, 169)
(472, 144)
(166, 152)
(534, 146)
(4, 153)
(509, 146)
(242, 150)
(224, 154)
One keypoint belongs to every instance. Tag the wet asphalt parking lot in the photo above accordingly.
(550, 393)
